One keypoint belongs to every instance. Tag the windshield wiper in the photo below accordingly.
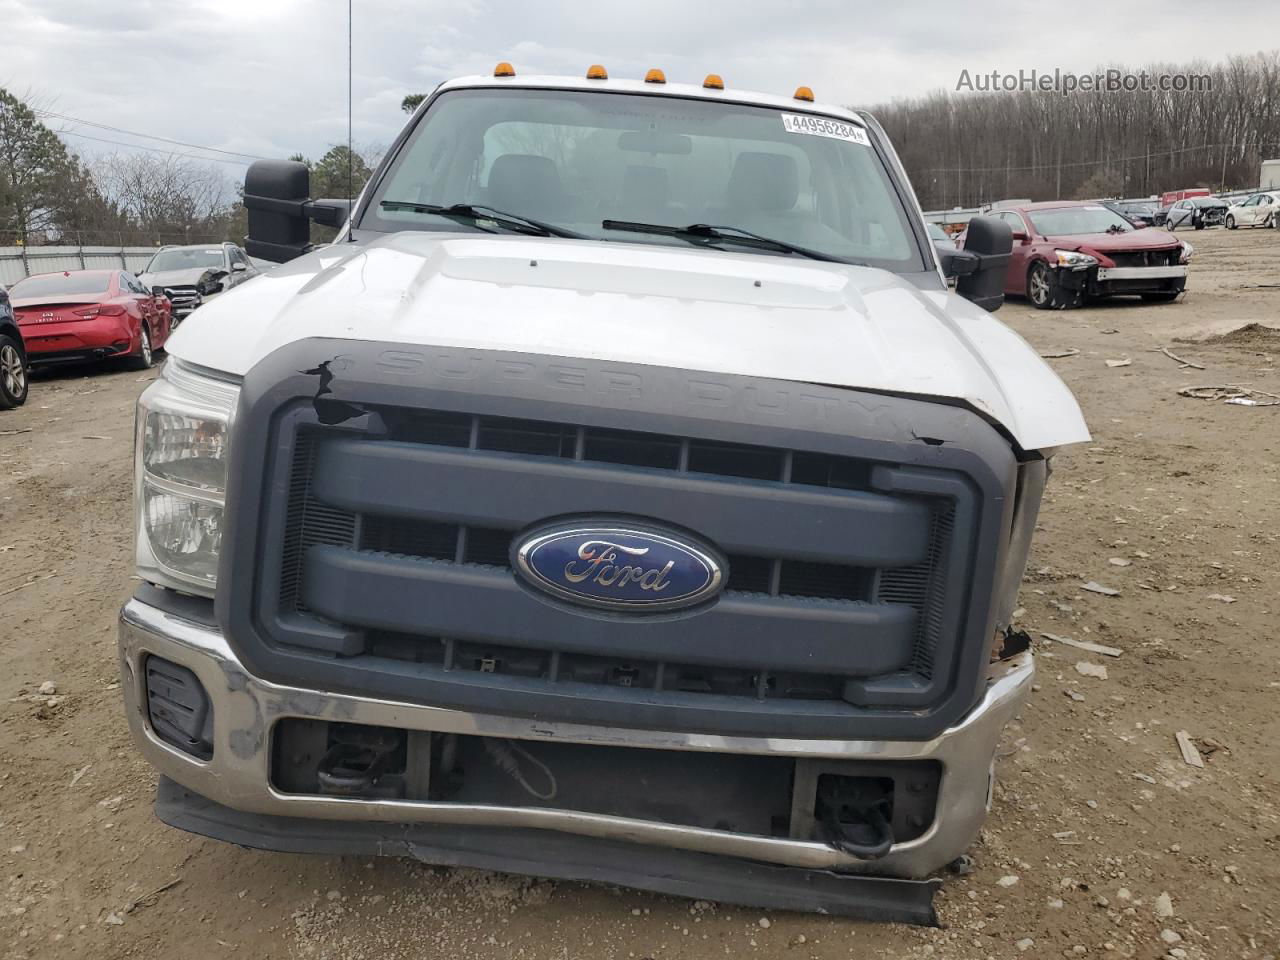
(705, 234)
(471, 212)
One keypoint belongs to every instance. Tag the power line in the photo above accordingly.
(148, 136)
(139, 146)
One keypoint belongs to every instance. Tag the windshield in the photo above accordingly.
(187, 258)
(1071, 221)
(61, 285)
(574, 159)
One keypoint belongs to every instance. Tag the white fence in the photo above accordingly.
(19, 262)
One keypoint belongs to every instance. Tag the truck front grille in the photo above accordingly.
(859, 570)
(311, 522)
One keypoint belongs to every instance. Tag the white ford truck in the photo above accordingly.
(623, 496)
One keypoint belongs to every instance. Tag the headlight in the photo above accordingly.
(1074, 259)
(1187, 250)
(180, 477)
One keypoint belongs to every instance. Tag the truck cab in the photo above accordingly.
(623, 495)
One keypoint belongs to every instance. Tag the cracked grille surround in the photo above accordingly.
(391, 580)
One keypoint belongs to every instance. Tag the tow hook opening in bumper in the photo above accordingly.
(855, 815)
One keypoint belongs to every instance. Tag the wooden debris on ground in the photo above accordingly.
(1232, 393)
(23, 586)
(1190, 755)
(1119, 363)
(146, 899)
(1185, 363)
(1059, 354)
(1085, 645)
(1095, 670)
(1094, 587)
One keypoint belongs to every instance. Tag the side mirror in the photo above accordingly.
(1020, 236)
(239, 267)
(274, 194)
(277, 198)
(991, 241)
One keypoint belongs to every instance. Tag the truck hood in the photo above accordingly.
(804, 321)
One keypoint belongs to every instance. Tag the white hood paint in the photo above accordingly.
(805, 321)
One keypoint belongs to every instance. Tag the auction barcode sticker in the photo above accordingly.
(824, 127)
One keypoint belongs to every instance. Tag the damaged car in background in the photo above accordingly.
(190, 275)
(623, 496)
(1197, 213)
(1067, 253)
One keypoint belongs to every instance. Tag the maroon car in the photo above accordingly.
(89, 315)
(1066, 252)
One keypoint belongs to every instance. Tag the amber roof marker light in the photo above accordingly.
(713, 82)
(597, 72)
(655, 76)
(504, 69)
(804, 93)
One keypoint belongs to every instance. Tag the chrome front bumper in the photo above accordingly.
(245, 709)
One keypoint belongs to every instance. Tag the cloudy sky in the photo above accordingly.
(268, 77)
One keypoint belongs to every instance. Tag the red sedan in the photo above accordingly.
(90, 315)
(1067, 253)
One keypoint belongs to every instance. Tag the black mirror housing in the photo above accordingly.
(275, 195)
(990, 241)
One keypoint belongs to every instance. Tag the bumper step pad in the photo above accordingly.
(559, 856)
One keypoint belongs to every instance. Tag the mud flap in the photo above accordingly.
(559, 856)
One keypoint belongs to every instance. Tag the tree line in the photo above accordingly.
(965, 149)
(51, 195)
(960, 149)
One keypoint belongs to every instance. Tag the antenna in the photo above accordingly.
(350, 141)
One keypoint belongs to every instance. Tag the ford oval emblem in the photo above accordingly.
(619, 566)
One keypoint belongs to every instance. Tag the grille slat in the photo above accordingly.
(555, 666)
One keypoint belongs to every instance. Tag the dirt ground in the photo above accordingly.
(1102, 841)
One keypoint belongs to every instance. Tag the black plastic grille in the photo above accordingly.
(1146, 258)
(749, 574)
(310, 522)
(921, 586)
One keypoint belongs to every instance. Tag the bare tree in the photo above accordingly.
(169, 197)
(969, 148)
